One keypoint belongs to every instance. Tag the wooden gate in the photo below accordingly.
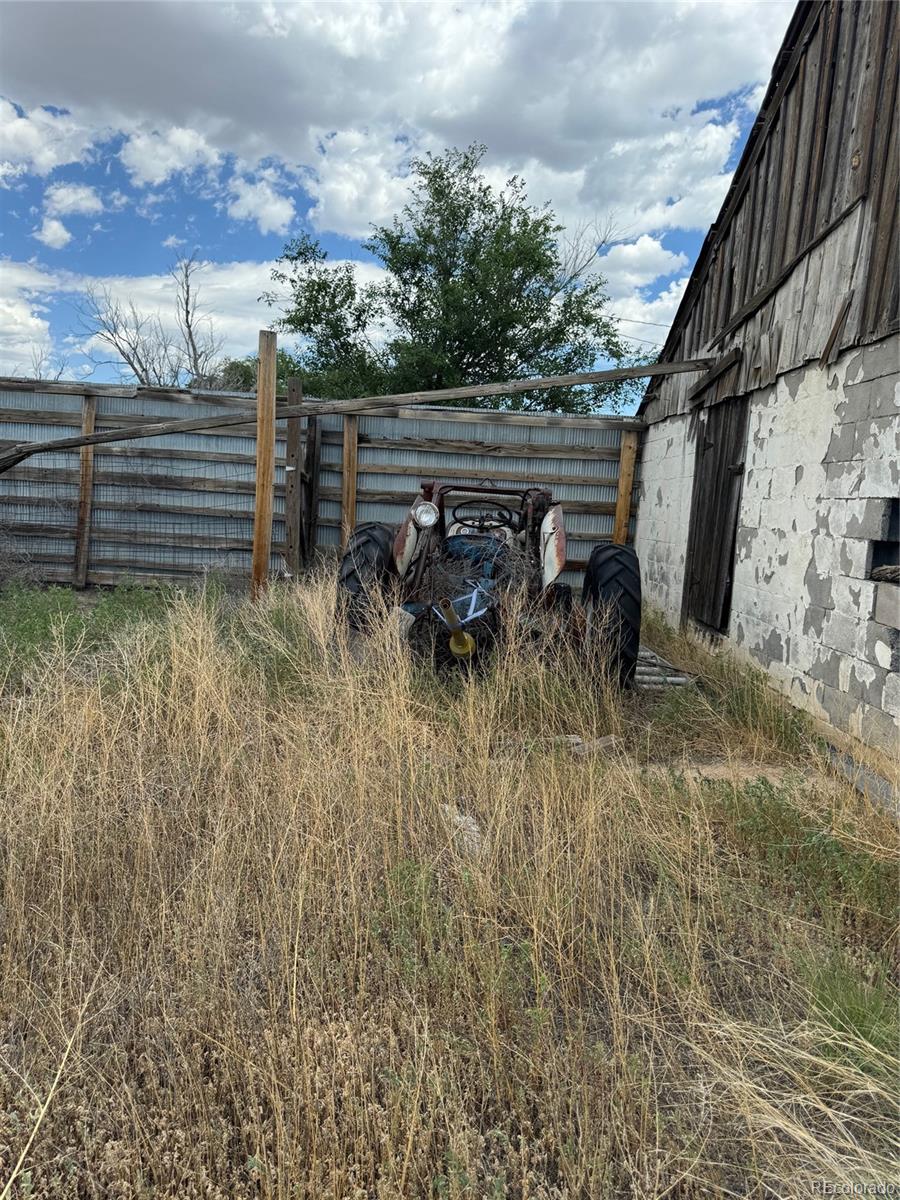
(715, 506)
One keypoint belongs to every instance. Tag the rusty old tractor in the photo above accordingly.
(468, 559)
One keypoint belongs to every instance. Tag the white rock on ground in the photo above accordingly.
(466, 830)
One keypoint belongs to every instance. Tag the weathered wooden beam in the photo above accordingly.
(85, 494)
(211, 513)
(535, 420)
(131, 451)
(225, 487)
(9, 383)
(627, 458)
(465, 474)
(127, 536)
(488, 449)
(265, 462)
(725, 363)
(365, 403)
(349, 462)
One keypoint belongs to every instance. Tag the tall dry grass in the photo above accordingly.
(280, 919)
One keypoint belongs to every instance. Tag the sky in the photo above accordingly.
(132, 133)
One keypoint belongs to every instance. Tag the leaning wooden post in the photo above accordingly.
(348, 477)
(265, 462)
(627, 455)
(293, 479)
(85, 494)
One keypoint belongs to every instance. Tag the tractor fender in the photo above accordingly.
(553, 545)
(405, 543)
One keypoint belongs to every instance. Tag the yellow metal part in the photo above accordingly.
(462, 644)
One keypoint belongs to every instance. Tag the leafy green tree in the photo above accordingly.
(477, 288)
(239, 374)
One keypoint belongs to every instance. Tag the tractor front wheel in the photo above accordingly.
(612, 600)
(366, 571)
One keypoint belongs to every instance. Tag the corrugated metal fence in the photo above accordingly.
(170, 507)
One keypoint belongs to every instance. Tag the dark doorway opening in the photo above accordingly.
(715, 506)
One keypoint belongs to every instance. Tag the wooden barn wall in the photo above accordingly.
(803, 257)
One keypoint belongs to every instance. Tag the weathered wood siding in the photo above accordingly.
(803, 258)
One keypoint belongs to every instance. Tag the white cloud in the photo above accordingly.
(228, 293)
(650, 318)
(597, 101)
(152, 158)
(603, 108)
(64, 199)
(172, 242)
(9, 172)
(53, 234)
(260, 202)
(672, 179)
(754, 98)
(24, 329)
(359, 178)
(39, 140)
(629, 266)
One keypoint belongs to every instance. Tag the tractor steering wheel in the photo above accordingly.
(487, 514)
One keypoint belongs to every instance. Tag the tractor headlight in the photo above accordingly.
(425, 514)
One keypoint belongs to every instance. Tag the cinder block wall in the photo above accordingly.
(664, 512)
(822, 477)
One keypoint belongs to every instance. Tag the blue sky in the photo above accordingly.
(225, 129)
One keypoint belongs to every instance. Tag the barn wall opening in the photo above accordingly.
(715, 507)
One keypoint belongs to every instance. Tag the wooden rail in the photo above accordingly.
(23, 450)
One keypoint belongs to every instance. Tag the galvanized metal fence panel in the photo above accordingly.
(179, 505)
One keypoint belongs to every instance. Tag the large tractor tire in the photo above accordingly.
(612, 598)
(366, 570)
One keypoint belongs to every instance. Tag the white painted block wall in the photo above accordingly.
(664, 512)
(822, 465)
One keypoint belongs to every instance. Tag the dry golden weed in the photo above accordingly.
(251, 946)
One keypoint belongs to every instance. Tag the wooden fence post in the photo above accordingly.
(348, 477)
(85, 494)
(265, 462)
(627, 456)
(311, 484)
(293, 489)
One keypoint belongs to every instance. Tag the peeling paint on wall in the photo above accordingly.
(822, 463)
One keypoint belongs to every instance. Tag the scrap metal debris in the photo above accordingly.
(653, 673)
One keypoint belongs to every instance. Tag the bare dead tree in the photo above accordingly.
(139, 342)
(47, 364)
(201, 345)
(153, 352)
(580, 246)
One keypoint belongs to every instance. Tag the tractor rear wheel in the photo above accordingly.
(612, 598)
(365, 572)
